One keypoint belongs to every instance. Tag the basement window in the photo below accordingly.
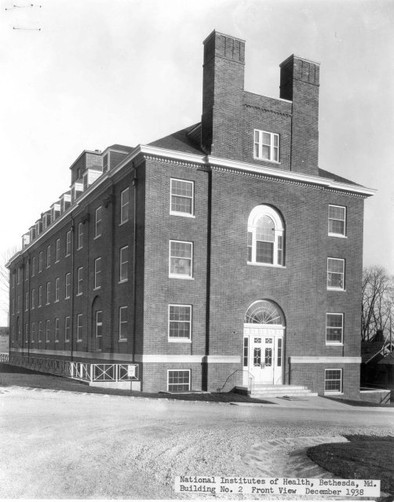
(333, 381)
(178, 380)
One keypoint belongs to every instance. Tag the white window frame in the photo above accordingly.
(326, 380)
(258, 142)
(174, 339)
(40, 261)
(335, 288)
(336, 234)
(279, 239)
(174, 211)
(48, 293)
(124, 206)
(98, 222)
(57, 251)
(33, 331)
(170, 257)
(68, 243)
(67, 328)
(48, 259)
(57, 289)
(98, 324)
(27, 271)
(123, 322)
(79, 327)
(80, 236)
(79, 281)
(57, 329)
(40, 331)
(334, 342)
(178, 370)
(47, 331)
(39, 296)
(26, 301)
(33, 299)
(123, 264)
(67, 286)
(33, 266)
(97, 273)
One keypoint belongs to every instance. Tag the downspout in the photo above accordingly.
(72, 290)
(134, 183)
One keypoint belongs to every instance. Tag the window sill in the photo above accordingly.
(122, 340)
(79, 294)
(336, 289)
(123, 223)
(79, 341)
(123, 281)
(276, 162)
(97, 288)
(97, 237)
(184, 215)
(334, 344)
(337, 235)
(179, 340)
(265, 264)
(184, 277)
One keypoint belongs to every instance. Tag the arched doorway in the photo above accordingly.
(264, 329)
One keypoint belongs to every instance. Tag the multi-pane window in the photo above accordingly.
(40, 331)
(334, 328)
(79, 327)
(265, 239)
(40, 296)
(26, 301)
(266, 146)
(182, 197)
(97, 273)
(123, 323)
(40, 261)
(48, 331)
(181, 259)
(57, 289)
(57, 329)
(79, 280)
(33, 332)
(98, 223)
(19, 275)
(80, 236)
(33, 266)
(124, 205)
(123, 263)
(57, 250)
(246, 351)
(336, 273)
(178, 380)
(48, 295)
(27, 271)
(48, 256)
(337, 220)
(99, 329)
(68, 243)
(67, 285)
(333, 381)
(179, 322)
(33, 299)
(67, 328)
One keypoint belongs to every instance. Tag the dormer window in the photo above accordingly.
(105, 163)
(266, 146)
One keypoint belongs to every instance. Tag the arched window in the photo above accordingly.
(264, 312)
(265, 236)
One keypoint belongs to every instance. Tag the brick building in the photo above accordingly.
(220, 255)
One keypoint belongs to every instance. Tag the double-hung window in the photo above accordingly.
(265, 241)
(48, 256)
(57, 250)
(99, 329)
(40, 261)
(123, 323)
(334, 329)
(336, 274)
(79, 327)
(178, 380)
(266, 146)
(48, 331)
(57, 289)
(179, 323)
(48, 296)
(40, 296)
(57, 329)
(67, 328)
(97, 273)
(337, 221)
(79, 280)
(80, 236)
(124, 205)
(182, 197)
(123, 263)
(67, 285)
(181, 259)
(68, 243)
(333, 381)
(98, 223)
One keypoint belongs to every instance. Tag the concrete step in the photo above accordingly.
(260, 390)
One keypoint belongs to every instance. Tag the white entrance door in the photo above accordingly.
(263, 352)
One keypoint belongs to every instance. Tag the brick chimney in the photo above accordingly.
(299, 83)
(223, 84)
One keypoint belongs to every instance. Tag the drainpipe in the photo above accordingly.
(72, 291)
(134, 184)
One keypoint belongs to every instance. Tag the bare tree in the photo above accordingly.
(377, 302)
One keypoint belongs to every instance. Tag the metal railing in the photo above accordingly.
(87, 372)
(4, 357)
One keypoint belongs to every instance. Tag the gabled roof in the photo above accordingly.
(335, 177)
(179, 141)
(123, 148)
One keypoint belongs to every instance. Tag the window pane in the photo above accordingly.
(264, 252)
(178, 381)
(265, 229)
(181, 204)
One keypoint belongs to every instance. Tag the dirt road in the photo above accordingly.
(68, 445)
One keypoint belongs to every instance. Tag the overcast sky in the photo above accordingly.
(130, 71)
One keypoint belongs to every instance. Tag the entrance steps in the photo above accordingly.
(262, 390)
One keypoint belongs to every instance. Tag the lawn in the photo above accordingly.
(16, 376)
(364, 457)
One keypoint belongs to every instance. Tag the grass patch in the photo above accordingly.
(364, 457)
(22, 377)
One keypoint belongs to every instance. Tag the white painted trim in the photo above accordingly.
(222, 359)
(77, 353)
(171, 358)
(324, 359)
